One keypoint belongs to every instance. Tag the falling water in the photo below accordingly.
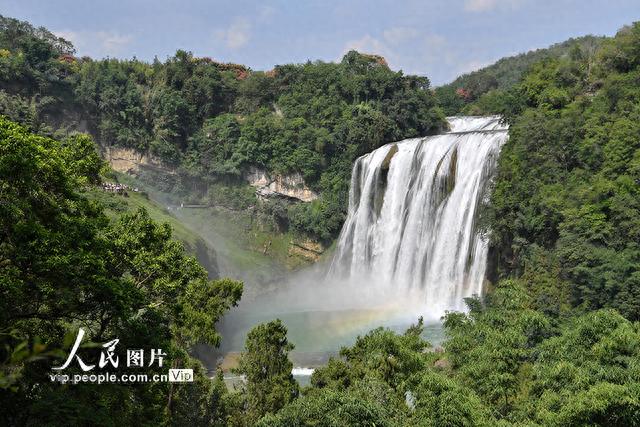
(411, 226)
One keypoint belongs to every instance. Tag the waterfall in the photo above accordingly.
(411, 226)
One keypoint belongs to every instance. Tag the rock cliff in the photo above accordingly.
(128, 160)
(290, 186)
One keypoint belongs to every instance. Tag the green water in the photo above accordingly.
(317, 335)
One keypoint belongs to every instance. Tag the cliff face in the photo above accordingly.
(128, 160)
(290, 186)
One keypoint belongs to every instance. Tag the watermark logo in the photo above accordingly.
(109, 359)
(181, 375)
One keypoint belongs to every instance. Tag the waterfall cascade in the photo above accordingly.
(413, 206)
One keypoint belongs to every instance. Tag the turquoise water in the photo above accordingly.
(317, 335)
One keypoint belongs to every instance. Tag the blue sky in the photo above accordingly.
(437, 38)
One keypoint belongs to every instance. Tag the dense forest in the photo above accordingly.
(469, 92)
(65, 265)
(555, 342)
(212, 120)
(565, 210)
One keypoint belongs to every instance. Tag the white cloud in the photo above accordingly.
(237, 35)
(366, 44)
(399, 35)
(488, 5)
(69, 35)
(96, 43)
(112, 43)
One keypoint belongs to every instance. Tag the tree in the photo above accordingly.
(489, 347)
(588, 374)
(266, 366)
(65, 265)
(330, 408)
(441, 401)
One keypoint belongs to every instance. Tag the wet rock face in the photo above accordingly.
(290, 186)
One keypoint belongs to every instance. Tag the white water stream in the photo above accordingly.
(411, 227)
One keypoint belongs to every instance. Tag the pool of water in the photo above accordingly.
(317, 335)
(321, 331)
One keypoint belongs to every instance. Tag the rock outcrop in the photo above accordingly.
(290, 186)
(307, 249)
(128, 160)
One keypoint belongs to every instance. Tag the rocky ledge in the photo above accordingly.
(130, 161)
(290, 186)
(306, 249)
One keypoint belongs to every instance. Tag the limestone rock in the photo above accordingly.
(290, 186)
(128, 160)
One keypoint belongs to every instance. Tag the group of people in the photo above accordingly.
(114, 187)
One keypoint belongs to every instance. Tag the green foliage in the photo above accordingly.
(504, 365)
(567, 184)
(385, 379)
(214, 121)
(203, 303)
(215, 148)
(36, 77)
(584, 373)
(483, 91)
(329, 408)
(31, 57)
(589, 374)
(64, 265)
(235, 197)
(442, 401)
(379, 369)
(321, 218)
(381, 353)
(270, 384)
(490, 347)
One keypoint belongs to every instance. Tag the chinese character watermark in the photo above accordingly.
(135, 357)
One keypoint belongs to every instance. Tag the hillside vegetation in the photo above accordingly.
(212, 121)
(468, 93)
(65, 265)
(565, 212)
(555, 342)
(117, 205)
